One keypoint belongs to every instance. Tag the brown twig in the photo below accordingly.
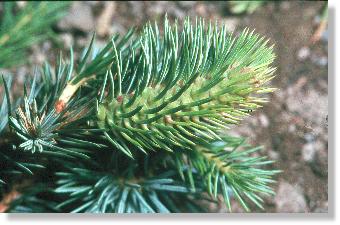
(8, 198)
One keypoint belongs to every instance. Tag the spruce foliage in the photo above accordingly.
(21, 28)
(140, 125)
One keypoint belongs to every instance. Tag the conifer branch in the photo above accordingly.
(229, 168)
(163, 100)
(184, 87)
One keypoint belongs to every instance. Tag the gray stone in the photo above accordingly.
(264, 121)
(67, 40)
(117, 28)
(161, 7)
(320, 60)
(290, 199)
(310, 105)
(309, 137)
(231, 23)
(308, 152)
(273, 155)
(303, 53)
(291, 128)
(80, 17)
(186, 4)
(104, 20)
(324, 36)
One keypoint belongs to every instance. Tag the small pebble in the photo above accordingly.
(324, 36)
(308, 152)
(291, 128)
(303, 53)
(67, 40)
(319, 60)
(309, 137)
(264, 120)
(273, 155)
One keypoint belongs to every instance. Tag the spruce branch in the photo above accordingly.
(58, 100)
(230, 168)
(116, 184)
(37, 199)
(184, 87)
(4, 109)
(109, 194)
(141, 94)
(11, 161)
(93, 69)
(36, 121)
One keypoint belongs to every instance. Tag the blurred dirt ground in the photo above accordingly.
(292, 127)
